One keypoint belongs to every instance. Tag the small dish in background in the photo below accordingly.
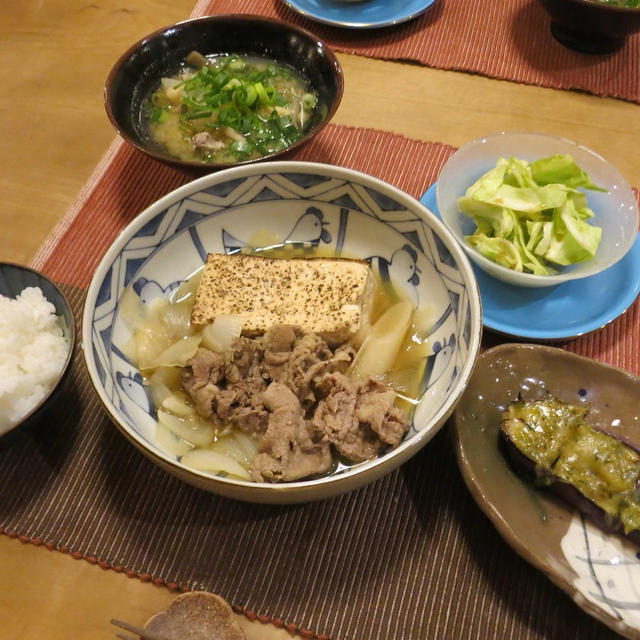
(360, 14)
(616, 211)
(162, 53)
(547, 533)
(590, 26)
(13, 280)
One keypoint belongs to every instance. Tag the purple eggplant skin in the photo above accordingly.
(544, 479)
(521, 463)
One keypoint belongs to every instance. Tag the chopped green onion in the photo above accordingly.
(232, 84)
(220, 80)
(252, 94)
(198, 115)
(236, 64)
(309, 100)
(159, 115)
(261, 92)
(242, 94)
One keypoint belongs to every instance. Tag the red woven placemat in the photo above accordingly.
(505, 39)
(126, 182)
(410, 556)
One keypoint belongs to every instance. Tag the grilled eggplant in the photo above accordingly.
(593, 471)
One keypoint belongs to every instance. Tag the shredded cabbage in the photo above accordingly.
(530, 216)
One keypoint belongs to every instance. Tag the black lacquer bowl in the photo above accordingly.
(159, 54)
(14, 279)
(590, 26)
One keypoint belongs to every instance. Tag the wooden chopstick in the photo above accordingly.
(144, 634)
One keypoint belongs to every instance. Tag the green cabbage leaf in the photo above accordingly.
(532, 217)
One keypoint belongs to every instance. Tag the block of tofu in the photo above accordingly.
(330, 296)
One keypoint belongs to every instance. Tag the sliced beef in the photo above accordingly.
(204, 140)
(338, 363)
(358, 416)
(290, 449)
(242, 407)
(290, 390)
(279, 340)
(279, 396)
(376, 408)
(295, 358)
(335, 415)
(283, 346)
(241, 401)
(227, 387)
(200, 380)
(242, 363)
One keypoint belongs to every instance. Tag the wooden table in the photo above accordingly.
(55, 57)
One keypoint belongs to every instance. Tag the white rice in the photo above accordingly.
(33, 350)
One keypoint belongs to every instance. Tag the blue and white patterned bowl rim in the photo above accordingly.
(325, 207)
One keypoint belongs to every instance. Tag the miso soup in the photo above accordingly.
(228, 108)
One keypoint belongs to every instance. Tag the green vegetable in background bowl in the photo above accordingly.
(532, 217)
(634, 4)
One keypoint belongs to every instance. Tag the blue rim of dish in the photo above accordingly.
(562, 312)
(363, 14)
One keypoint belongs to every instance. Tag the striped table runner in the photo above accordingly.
(504, 39)
(410, 556)
(114, 195)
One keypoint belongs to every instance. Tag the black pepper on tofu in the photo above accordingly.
(329, 296)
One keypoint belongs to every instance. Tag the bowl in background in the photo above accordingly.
(13, 279)
(139, 69)
(325, 210)
(590, 26)
(615, 211)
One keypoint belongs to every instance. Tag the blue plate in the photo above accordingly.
(366, 14)
(566, 311)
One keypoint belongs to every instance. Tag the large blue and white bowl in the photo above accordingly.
(322, 208)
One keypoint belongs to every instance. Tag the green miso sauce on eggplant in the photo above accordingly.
(553, 439)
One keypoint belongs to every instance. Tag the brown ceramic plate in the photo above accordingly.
(599, 571)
